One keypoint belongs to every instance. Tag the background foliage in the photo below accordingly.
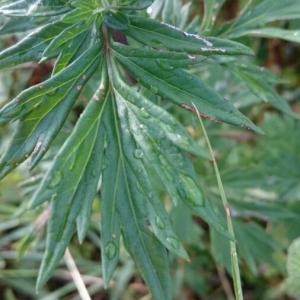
(260, 173)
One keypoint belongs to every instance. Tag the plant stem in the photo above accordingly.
(234, 259)
(82, 290)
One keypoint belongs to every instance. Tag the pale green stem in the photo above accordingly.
(79, 283)
(234, 259)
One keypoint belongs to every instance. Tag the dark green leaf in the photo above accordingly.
(116, 21)
(159, 122)
(37, 129)
(180, 87)
(264, 12)
(77, 14)
(164, 36)
(51, 88)
(66, 36)
(22, 24)
(110, 223)
(171, 165)
(157, 216)
(292, 35)
(34, 10)
(211, 10)
(65, 184)
(149, 255)
(248, 236)
(68, 54)
(255, 79)
(31, 47)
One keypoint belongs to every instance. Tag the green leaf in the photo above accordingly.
(110, 225)
(180, 87)
(65, 184)
(164, 125)
(34, 10)
(211, 10)
(248, 236)
(291, 35)
(116, 21)
(164, 36)
(293, 259)
(110, 192)
(157, 215)
(88, 185)
(37, 129)
(34, 96)
(22, 24)
(13, 5)
(77, 14)
(66, 36)
(190, 233)
(292, 281)
(255, 79)
(135, 4)
(67, 54)
(149, 255)
(263, 13)
(170, 163)
(170, 11)
(31, 47)
(263, 210)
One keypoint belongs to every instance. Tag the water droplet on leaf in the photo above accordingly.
(14, 112)
(51, 93)
(163, 65)
(55, 179)
(138, 153)
(173, 242)
(192, 192)
(150, 195)
(156, 43)
(159, 222)
(164, 168)
(144, 113)
(110, 250)
(154, 89)
(170, 128)
(94, 173)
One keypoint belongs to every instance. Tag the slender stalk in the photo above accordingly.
(234, 259)
(82, 290)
